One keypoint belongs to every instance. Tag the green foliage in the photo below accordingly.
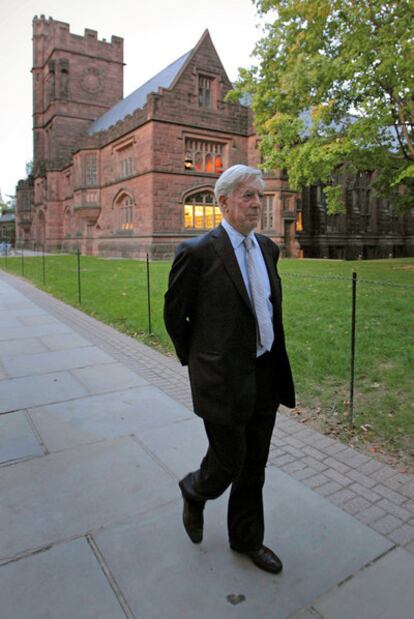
(334, 85)
(29, 167)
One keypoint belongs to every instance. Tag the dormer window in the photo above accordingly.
(205, 88)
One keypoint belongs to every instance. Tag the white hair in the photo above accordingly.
(234, 176)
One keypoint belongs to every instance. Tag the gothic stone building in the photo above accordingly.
(117, 176)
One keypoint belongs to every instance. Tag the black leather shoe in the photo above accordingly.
(193, 520)
(264, 558)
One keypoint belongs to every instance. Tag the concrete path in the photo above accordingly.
(95, 431)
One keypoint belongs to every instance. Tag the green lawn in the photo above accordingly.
(317, 315)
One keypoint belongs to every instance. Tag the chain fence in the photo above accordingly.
(347, 334)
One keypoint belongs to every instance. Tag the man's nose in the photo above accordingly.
(257, 200)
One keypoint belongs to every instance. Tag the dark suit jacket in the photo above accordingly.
(210, 320)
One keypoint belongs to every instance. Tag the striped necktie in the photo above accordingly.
(263, 318)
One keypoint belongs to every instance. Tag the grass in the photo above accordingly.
(317, 316)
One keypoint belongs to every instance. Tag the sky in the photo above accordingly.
(155, 34)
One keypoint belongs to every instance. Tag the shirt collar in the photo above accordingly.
(236, 237)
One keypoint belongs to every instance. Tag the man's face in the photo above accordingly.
(243, 207)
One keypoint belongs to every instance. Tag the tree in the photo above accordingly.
(29, 168)
(334, 87)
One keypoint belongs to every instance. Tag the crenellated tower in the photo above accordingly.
(75, 80)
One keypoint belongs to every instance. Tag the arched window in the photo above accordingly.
(125, 206)
(200, 211)
(198, 166)
(209, 164)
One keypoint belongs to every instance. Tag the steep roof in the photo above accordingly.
(138, 98)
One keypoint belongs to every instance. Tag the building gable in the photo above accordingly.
(137, 99)
(197, 81)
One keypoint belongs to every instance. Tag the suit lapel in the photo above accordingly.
(271, 270)
(225, 251)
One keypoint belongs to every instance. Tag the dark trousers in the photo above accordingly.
(237, 455)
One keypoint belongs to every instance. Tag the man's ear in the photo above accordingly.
(223, 203)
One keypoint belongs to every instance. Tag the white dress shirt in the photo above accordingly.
(236, 239)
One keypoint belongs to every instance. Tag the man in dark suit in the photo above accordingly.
(223, 312)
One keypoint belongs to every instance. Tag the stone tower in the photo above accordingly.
(75, 80)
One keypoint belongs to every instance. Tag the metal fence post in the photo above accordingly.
(23, 260)
(149, 297)
(79, 277)
(43, 264)
(352, 376)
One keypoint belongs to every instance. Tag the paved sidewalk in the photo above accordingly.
(95, 431)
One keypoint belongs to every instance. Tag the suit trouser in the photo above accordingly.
(237, 455)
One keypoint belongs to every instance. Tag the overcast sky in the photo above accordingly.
(155, 34)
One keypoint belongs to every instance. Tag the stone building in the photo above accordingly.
(128, 176)
(370, 228)
(118, 176)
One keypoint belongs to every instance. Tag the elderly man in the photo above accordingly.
(224, 315)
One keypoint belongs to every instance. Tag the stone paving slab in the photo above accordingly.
(64, 341)
(53, 361)
(19, 393)
(320, 546)
(80, 421)
(20, 332)
(24, 346)
(384, 590)
(108, 377)
(40, 319)
(67, 494)
(29, 310)
(65, 582)
(9, 323)
(17, 439)
(15, 302)
(180, 446)
(306, 614)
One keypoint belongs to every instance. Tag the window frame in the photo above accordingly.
(203, 206)
(268, 211)
(200, 152)
(91, 171)
(125, 212)
(206, 95)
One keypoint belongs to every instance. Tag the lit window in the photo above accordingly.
(205, 85)
(203, 156)
(267, 211)
(200, 212)
(198, 162)
(219, 164)
(126, 207)
(209, 164)
(299, 220)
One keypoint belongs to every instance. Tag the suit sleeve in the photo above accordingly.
(180, 301)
